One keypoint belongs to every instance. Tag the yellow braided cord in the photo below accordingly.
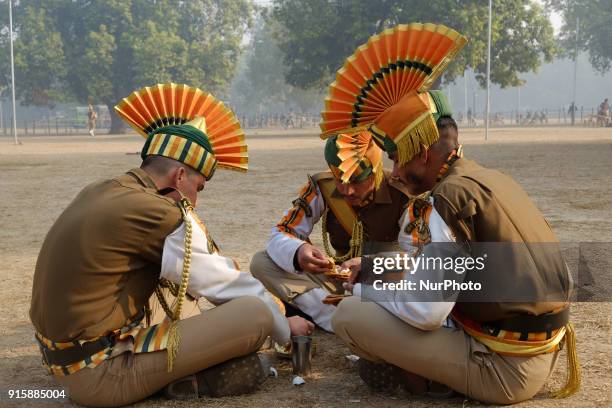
(162, 300)
(180, 297)
(171, 286)
(179, 291)
(355, 244)
(572, 384)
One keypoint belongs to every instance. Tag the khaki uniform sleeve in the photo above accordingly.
(457, 206)
(159, 221)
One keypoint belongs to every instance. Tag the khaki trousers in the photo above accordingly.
(286, 285)
(234, 329)
(448, 356)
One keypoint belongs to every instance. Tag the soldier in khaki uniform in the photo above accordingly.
(360, 208)
(123, 239)
(499, 345)
(493, 350)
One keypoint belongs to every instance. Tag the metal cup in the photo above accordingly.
(301, 354)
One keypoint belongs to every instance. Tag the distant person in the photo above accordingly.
(92, 115)
(499, 119)
(572, 112)
(604, 108)
(291, 119)
(604, 113)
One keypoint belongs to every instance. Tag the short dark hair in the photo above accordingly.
(447, 127)
(162, 165)
(444, 122)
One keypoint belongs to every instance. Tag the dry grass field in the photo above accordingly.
(568, 172)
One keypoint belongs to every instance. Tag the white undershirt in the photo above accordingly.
(428, 315)
(215, 277)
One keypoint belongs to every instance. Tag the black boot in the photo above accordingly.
(380, 377)
(241, 375)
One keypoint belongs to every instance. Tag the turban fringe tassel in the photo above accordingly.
(378, 174)
(425, 132)
(572, 384)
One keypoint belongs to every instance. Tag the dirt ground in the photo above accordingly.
(568, 172)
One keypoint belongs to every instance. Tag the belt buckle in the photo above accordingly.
(45, 358)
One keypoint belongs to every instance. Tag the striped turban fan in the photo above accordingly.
(354, 156)
(187, 125)
(383, 87)
(411, 123)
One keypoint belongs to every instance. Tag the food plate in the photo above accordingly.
(334, 299)
(338, 273)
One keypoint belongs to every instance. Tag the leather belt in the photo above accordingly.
(76, 353)
(532, 324)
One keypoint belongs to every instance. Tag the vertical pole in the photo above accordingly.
(13, 72)
(518, 107)
(488, 72)
(465, 94)
(474, 108)
(575, 71)
(1, 112)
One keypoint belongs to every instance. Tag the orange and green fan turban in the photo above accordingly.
(411, 123)
(353, 157)
(188, 125)
(395, 67)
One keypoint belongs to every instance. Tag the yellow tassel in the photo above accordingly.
(572, 384)
(425, 133)
(174, 339)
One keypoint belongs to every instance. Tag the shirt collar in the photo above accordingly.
(143, 178)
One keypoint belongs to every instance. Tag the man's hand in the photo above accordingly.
(300, 326)
(354, 264)
(311, 259)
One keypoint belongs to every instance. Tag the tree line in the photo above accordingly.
(83, 51)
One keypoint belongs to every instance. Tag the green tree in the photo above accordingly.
(101, 51)
(39, 68)
(260, 84)
(595, 30)
(5, 68)
(317, 35)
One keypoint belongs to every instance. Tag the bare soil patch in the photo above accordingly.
(568, 173)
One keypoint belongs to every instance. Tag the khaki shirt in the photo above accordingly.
(100, 262)
(485, 206)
